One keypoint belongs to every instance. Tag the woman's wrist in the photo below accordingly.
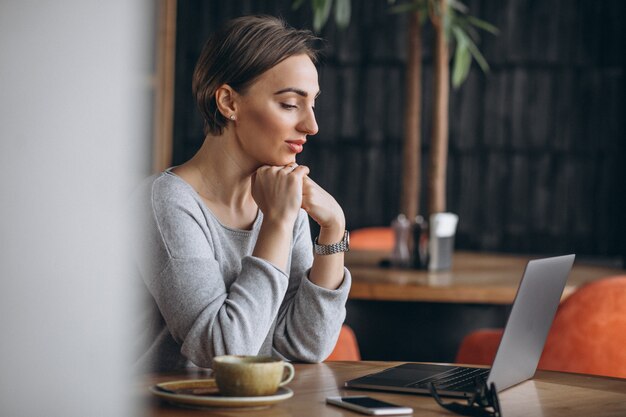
(280, 225)
(331, 234)
(273, 242)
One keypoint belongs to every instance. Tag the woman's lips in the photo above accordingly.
(295, 146)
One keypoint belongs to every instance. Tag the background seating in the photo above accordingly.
(347, 348)
(372, 238)
(588, 334)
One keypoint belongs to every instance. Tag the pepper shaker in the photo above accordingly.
(401, 256)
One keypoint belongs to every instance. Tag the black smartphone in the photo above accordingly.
(369, 405)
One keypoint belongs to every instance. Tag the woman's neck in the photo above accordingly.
(222, 180)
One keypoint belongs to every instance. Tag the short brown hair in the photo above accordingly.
(237, 54)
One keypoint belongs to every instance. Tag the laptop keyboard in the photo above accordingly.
(457, 379)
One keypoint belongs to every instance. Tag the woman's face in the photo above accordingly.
(275, 115)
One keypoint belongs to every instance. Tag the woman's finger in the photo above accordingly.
(290, 168)
(302, 170)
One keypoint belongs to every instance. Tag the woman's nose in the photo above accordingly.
(308, 124)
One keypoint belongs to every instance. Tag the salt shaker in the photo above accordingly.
(401, 256)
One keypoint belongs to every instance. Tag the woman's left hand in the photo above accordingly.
(322, 207)
(326, 271)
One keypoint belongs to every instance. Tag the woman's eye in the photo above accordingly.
(288, 106)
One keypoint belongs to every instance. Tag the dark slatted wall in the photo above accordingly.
(537, 146)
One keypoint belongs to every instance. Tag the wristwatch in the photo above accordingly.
(341, 246)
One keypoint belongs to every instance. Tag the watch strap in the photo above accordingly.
(341, 246)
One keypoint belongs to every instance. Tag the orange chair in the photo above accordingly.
(372, 238)
(588, 334)
(347, 348)
(479, 347)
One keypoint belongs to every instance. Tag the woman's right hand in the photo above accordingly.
(278, 192)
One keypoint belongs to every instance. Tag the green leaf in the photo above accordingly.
(342, 13)
(457, 5)
(423, 16)
(462, 23)
(321, 11)
(461, 67)
(448, 24)
(471, 32)
(462, 61)
(296, 4)
(467, 42)
(403, 8)
(420, 6)
(318, 5)
(480, 59)
(486, 26)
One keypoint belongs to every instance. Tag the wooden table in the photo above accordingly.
(416, 315)
(548, 394)
(475, 277)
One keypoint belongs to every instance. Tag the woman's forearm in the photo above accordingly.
(327, 270)
(273, 243)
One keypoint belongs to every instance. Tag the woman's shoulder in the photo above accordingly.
(166, 190)
(167, 183)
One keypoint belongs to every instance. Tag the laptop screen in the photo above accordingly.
(530, 319)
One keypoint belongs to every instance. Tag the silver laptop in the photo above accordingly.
(524, 336)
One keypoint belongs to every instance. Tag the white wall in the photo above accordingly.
(73, 142)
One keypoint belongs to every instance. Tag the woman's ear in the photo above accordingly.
(225, 100)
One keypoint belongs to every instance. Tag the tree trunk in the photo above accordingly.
(439, 145)
(411, 155)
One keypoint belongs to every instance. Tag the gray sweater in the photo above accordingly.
(207, 295)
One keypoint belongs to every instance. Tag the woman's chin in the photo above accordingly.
(278, 160)
(283, 161)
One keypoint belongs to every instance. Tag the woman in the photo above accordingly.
(231, 266)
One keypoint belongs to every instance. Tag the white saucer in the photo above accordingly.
(204, 393)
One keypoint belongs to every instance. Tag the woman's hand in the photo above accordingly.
(278, 192)
(327, 270)
(324, 209)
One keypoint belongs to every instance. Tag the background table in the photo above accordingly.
(417, 315)
(475, 277)
(549, 394)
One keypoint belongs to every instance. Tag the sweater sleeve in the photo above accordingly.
(204, 316)
(310, 318)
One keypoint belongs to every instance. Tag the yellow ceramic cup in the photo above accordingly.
(250, 376)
